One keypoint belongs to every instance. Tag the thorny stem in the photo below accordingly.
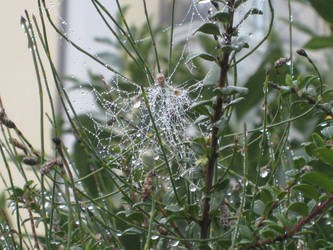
(209, 171)
(318, 210)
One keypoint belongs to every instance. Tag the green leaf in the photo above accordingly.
(325, 155)
(204, 247)
(209, 28)
(201, 103)
(202, 55)
(318, 141)
(299, 208)
(307, 191)
(259, 207)
(245, 232)
(319, 42)
(230, 90)
(235, 101)
(266, 195)
(327, 132)
(318, 179)
(221, 16)
(267, 233)
(324, 9)
(213, 76)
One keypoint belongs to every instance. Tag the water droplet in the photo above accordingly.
(154, 237)
(174, 244)
(193, 187)
(136, 102)
(264, 171)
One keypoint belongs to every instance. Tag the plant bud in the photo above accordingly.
(302, 52)
(162, 230)
(56, 140)
(31, 161)
(224, 211)
(48, 166)
(148, 185)
(279, 63)
(19, 145)
(160, 79)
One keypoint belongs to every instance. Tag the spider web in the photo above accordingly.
(122, 126)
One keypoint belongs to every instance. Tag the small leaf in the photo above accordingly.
(325, 155)
(327, 132)
(266, 195)
(299, 208)
(235, 101)
(202, 55)
(209, 28)
(318, 179)
(245, 232)
(319, 42)
(256, 11)
(213, 76)
(230, 90)
(268, 233)
(307, 191)
(318, 141)
(201, 103)
(221, 16)
(259, 207)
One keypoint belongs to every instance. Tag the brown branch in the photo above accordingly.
(209, 170)
(319, 209)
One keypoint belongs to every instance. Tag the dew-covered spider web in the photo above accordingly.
(121, 126)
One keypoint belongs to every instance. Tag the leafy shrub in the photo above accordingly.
(184, 158)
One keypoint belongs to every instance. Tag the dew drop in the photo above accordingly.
(174, 244)
(264, 171)
(154, 237)
(193, 187)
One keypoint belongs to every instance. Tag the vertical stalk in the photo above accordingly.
(152, 37)
(290, 37)
(152, 215)
(245, 174)
(209, 170)
(171, 35)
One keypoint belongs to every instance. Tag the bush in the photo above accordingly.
(184, 158)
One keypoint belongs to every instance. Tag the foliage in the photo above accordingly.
(185, 158)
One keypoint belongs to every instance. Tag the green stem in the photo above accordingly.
(171, 35)
(150, 228)
(152, 36)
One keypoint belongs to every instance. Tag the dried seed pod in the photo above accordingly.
(279, 63)
(5, 120)
(56, 140)
(148, 185)
(160, 79)
(162, 230)
(224, 214)
(48, 166)
(302, 52)
(31, 161)
(19, 145)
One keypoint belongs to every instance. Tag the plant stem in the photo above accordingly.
(152, 37)
(290, 37)
(209, 171)
(171, 34)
